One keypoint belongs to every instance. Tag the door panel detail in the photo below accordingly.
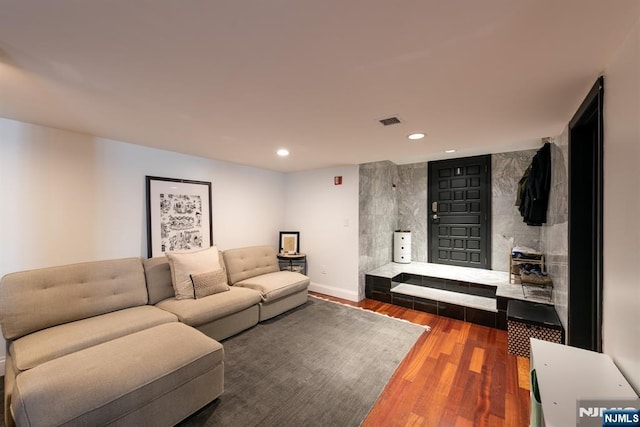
(461, 188)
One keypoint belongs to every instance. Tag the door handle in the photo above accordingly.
(435, 217)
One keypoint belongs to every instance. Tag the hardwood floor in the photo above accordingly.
(457, 374)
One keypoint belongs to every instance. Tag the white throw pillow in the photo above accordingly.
(184, 264)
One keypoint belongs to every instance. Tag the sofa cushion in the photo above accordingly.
(273, 286)
(158, 275)
(57, 295)
(184, 264)
(206, 284)
(47, 344)
(243, 263)
(104, 383)
(196, 312)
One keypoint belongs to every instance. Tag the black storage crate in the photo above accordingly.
(529, 320)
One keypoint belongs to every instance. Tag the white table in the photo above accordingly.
(567, 374)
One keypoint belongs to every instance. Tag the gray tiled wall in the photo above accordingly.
(554, 236)
(412, 207)
(378, 215)
(507, 228)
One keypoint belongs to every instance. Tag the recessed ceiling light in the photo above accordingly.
(283, 152)
(450, 151)
(416, 136)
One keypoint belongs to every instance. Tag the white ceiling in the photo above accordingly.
(236, 80)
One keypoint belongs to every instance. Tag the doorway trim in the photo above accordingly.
(584, 322)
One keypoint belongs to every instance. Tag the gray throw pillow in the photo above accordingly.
(210, 283)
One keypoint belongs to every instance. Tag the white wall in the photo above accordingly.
(68, 197)
(326, 215)
(621, 299)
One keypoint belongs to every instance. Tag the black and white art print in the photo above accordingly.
(179, 215)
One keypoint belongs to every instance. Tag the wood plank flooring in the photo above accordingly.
(457, 374)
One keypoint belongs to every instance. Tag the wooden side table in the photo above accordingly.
(293, 262)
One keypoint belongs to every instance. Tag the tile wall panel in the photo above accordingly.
(378, 215)
(555, 233)
(412, 207)
(507, 228)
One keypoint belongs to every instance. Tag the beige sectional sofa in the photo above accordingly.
(107, 342)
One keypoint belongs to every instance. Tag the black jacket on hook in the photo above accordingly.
(535, 197)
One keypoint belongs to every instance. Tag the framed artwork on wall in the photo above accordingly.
(179, 215)
(289, 242)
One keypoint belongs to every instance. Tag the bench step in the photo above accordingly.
(449, 297)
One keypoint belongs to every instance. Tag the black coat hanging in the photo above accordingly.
(535, 197)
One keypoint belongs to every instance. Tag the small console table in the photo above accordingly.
(293, 262)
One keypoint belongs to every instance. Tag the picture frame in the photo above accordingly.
(289, 242)
(179, 215)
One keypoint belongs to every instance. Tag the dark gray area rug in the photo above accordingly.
(322, 364)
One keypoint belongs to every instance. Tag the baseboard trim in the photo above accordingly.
(334, 292)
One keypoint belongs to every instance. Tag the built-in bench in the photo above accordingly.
(469, 294)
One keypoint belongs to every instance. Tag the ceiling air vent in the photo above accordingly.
(389, 121)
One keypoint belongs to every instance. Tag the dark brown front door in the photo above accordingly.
(459, 212)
